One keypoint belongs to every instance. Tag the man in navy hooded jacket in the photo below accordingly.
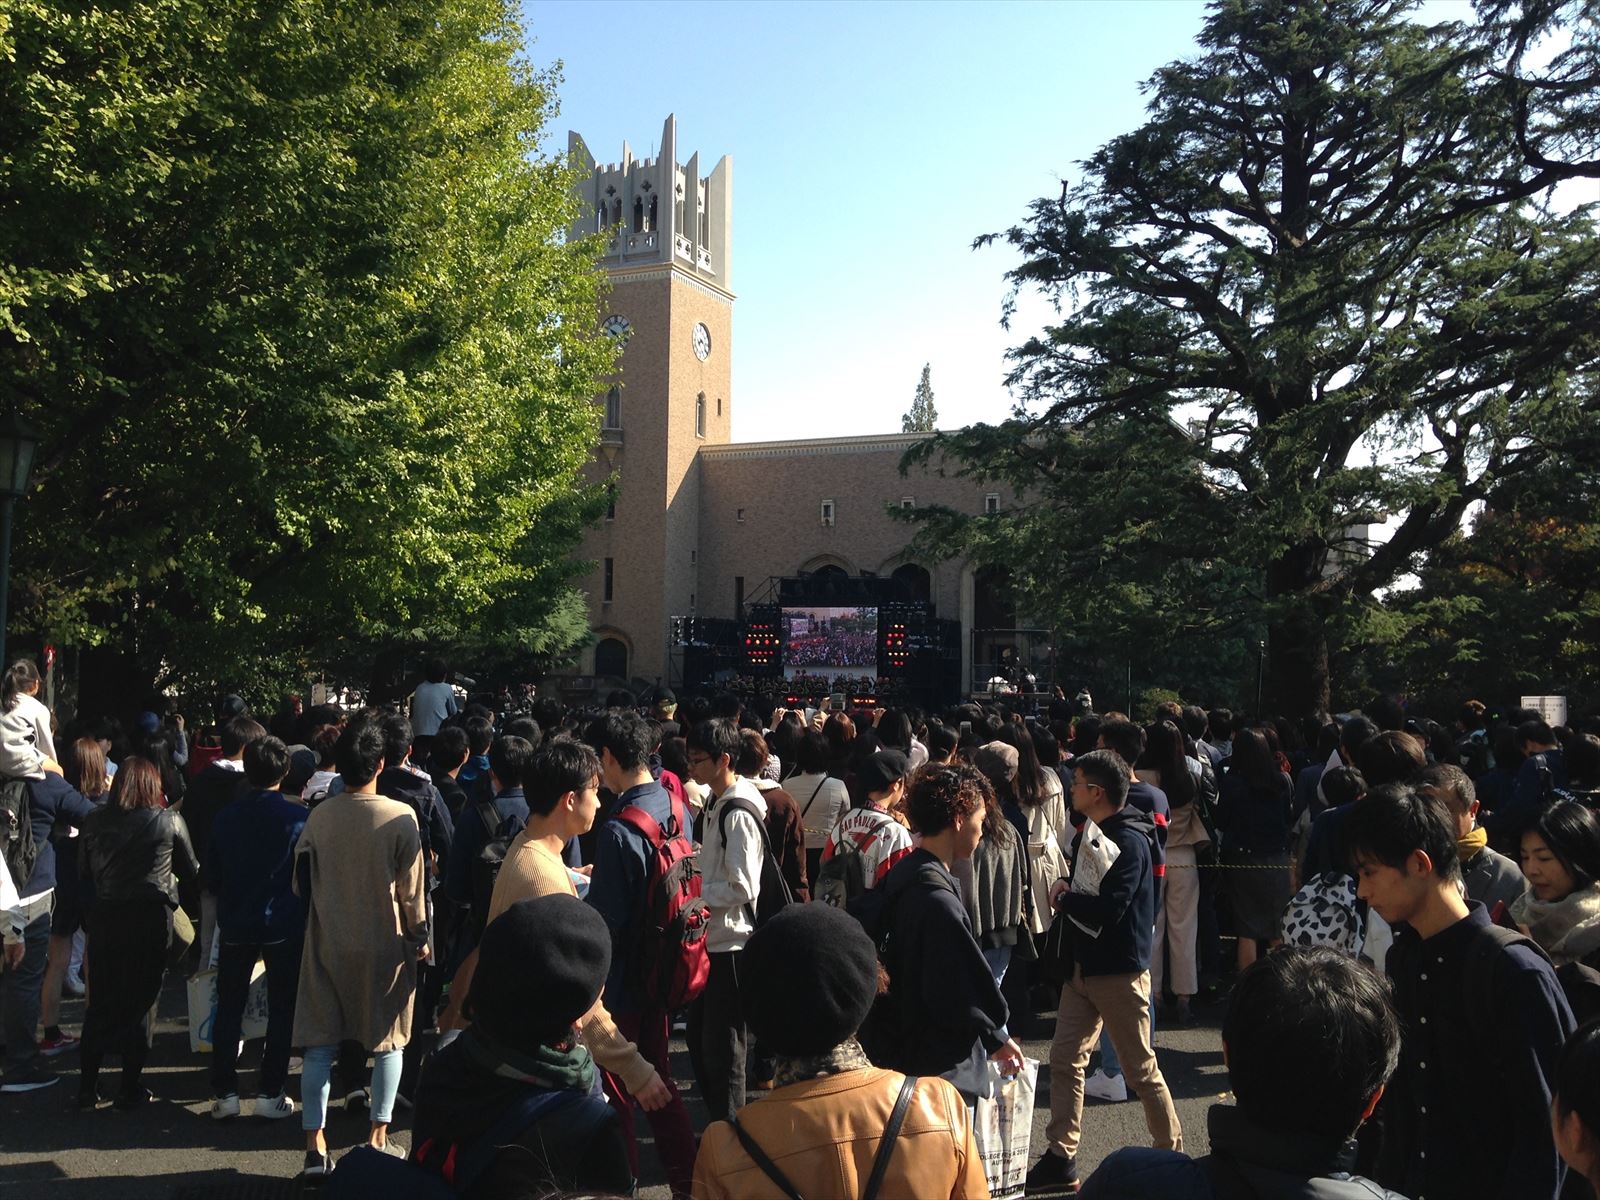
(52, 801)
(1111, 930)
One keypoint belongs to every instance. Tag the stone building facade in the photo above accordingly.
(700, 523)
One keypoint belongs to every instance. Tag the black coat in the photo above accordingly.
(577, 1147)
(942, 996)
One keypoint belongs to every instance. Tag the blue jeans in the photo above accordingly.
(23, 987)
(1108, 1052)
(998, 958)
(317, 1070)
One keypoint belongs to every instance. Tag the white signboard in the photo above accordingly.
(1552, 708)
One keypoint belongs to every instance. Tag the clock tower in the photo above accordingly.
(671, 302)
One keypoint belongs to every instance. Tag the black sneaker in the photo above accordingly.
(1052, 1175)
(128, 1102)
(28, 1079)
(317, 1165)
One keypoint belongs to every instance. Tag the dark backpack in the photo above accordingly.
(843, 877)
(774, 895)
(672, 963)
(1482, 953)
(19, 849)
(486, 867)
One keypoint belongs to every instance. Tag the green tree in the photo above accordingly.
(923, 417)
(286, 290)
(1506, 607)
(1306, 293)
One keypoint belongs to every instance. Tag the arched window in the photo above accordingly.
(616, 211)
(915, 580)
(650, 223)
(638, 214)
(611, 658)
(614, 408)
(600, 217)
(700, 415)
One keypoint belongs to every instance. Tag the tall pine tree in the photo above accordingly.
(923, 417)
(1308, 292)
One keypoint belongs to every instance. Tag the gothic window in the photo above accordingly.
(827, 512)
(608, 588)
(700, 415)
(611, 659)
(638, 214)
(719, 406)
(616, 211)
(614, 408)
(650, 224)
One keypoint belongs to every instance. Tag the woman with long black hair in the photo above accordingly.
(133, 846)
(1254, 814)
(1166, 765)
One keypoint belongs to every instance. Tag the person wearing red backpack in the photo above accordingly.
(562, 789)
(621, 891)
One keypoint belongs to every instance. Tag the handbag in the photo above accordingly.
(880, 1163)
(182, 938)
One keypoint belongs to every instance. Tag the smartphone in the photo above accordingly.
(836, 700)
(966, 728)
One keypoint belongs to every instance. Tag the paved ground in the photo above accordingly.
(173, 1150)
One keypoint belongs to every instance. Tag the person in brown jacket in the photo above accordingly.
(810, 975)
(358, 864)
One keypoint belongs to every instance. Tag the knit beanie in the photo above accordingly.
(807, 977)
(998, 761)
(541, 965)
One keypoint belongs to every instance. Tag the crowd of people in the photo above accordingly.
(855, 913)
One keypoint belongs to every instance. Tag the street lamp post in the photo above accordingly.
(1261, 665)
(17, 444)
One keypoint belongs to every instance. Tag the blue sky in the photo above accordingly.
(871, 143)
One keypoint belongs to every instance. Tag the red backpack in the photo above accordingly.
(673, 962)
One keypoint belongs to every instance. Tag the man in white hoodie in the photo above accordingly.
(733, 848)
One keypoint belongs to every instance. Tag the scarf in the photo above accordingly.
(1567, 930)
(567, 1066)
(1468, 847)
(846, 1056)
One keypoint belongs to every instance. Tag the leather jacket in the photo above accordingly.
(824, 1133)
(133, 855)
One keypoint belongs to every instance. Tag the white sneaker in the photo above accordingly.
(1111, 1088)
(224, 1107)
(275, 1108)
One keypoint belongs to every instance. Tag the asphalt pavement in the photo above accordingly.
(173, 1150)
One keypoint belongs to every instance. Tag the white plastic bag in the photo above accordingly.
(1002, 1127)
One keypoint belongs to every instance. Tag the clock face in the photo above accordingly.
(702, 342)
(617, 326)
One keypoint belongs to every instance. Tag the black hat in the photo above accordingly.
(541, 965)
(302, 766)
(878, 772)
(807, 978)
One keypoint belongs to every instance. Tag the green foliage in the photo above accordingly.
(1311, 290)
(923, 417)
(286, 290)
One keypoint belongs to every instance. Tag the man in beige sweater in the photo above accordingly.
(562, 790)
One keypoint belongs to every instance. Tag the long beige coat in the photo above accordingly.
(366, 919)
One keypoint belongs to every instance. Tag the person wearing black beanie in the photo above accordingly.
(519, 1078)
(810, 976)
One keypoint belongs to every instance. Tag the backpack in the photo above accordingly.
(774, 895)
(672, 963)
(17, 846)
(844, 876)
(486, 867)
(1324, 912)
